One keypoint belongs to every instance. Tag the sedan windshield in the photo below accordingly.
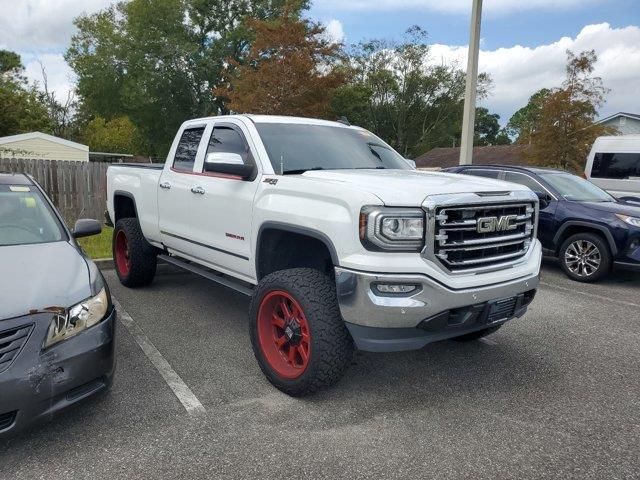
(576, 189)
(25, 217)
(296, 148)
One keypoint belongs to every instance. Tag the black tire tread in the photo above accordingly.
(142, 255)
(331, 348)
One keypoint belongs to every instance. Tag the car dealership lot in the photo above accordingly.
(552, 394)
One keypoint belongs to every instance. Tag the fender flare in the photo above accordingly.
(595, 226)
(288, 227)
(123, 193)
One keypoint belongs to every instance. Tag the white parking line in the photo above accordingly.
(189, 401)
(591, 295)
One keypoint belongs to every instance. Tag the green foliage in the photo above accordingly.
(397, 93)
(522, 122)
(487, 127)
(159, 62)
(22, 107)
(118, 135)
(562, 127)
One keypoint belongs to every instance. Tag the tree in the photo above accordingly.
(486, 127)
(159, 62)
(396, 92)
(522, 122)
(21, 105)
(563, 129)
(118, 135)
(291, 69)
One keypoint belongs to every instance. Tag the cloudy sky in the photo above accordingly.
(523, 41)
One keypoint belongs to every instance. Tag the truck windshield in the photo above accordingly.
(576, 189)
(25, 217)
(295, 148)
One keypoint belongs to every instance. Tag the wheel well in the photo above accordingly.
(574, 229)
(124, 207)
(280, 250)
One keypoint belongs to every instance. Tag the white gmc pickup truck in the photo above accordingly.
(339, 241)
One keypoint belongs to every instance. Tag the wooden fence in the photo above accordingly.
(78, 189)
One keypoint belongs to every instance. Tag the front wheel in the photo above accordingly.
(298, 336)
(585, 257)
(135, 259)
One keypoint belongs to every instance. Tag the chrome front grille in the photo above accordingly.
(482, 236)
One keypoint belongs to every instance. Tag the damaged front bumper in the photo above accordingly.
(37, 383)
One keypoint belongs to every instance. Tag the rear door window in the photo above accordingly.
(187, 149)
(619, 166)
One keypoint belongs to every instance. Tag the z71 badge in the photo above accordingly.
(271, 181)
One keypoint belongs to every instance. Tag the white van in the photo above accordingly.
(614, 165)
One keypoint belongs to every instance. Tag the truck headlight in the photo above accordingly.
(78, 318)
(394, 229)
(635, 221)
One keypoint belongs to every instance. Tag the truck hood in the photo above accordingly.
(409, 187)
(39, 276)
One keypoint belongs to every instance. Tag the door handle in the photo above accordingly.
(198, 190)
(165, 185)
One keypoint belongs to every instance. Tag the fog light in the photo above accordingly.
(395, 288)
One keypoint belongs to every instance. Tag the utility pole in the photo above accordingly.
(469, 116)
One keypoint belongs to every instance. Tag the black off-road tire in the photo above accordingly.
(331, 346)
(141, 256)
(470, 337)
(605, 257)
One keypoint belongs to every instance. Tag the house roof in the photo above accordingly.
(43, 136)
(635, 116)
(494, 154)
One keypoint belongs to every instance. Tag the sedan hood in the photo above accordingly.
(38, 276)
(410, 187)
(615, 207)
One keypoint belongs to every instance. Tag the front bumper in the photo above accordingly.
(40, 383)
(434, 312)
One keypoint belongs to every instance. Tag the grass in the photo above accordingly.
(98, 246)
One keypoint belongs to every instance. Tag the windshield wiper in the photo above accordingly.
(380, 167)
(301, 170)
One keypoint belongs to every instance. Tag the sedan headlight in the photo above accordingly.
(78, 318)
(394, 229)
(635, 221)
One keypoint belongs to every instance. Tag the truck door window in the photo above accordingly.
(187, 149)
(619, 166)
(229, 140)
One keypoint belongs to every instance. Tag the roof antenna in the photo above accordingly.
(344, 121)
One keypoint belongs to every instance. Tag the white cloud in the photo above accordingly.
(519, 71)
(60, 77)
(44, 25)
(334, 31)
(451, 6)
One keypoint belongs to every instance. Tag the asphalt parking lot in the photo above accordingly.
(554, 394)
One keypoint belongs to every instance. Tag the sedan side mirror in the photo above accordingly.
(229, 164)
(85, 227)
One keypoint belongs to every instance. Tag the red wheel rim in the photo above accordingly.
(122, 254)
(283, 334)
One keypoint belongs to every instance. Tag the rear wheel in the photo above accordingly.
(585, 257)
(135, 259)
(297, 332)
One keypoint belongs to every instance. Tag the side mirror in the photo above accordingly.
(85, 227)
(229, 164)
(544, 199)
(412, 163)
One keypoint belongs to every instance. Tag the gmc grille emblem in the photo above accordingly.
(497, 224)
